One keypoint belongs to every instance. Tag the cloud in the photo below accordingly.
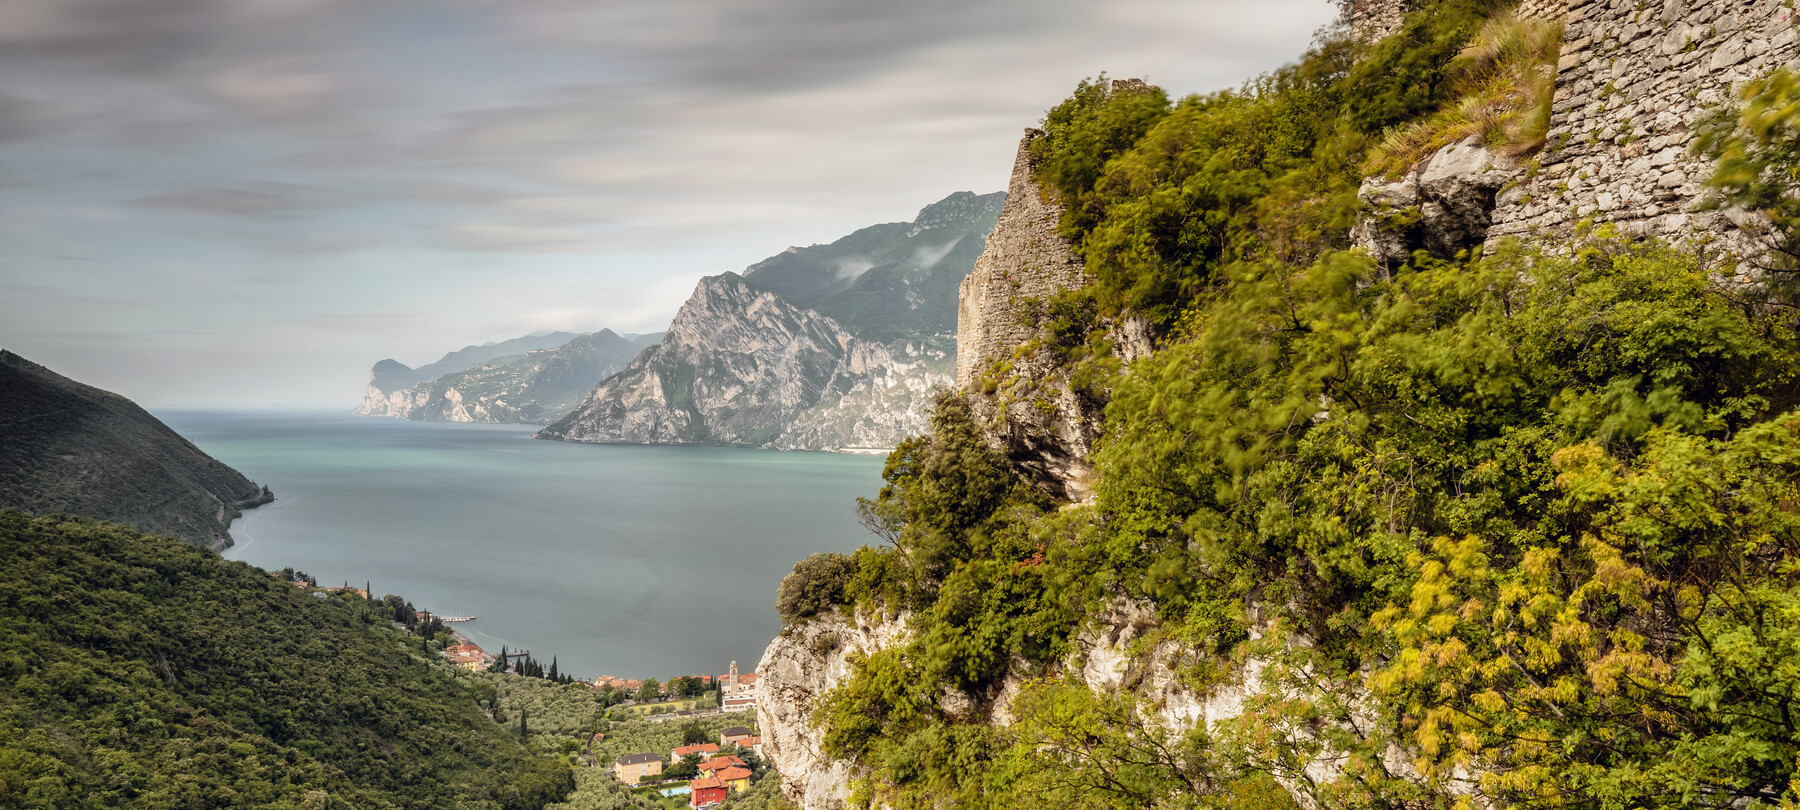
(397, 156)
(252, 199)
(508, 238)
(271, 87)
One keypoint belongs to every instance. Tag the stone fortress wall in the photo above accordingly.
(1022, 397)
(1024, 261)
(1633, 80)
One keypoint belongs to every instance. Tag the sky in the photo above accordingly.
(246, 203)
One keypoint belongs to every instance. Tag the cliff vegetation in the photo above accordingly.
(1512, 529)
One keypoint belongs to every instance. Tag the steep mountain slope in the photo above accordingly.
(391, 377)
(763, 359)
(889, 281)
(735, 366)
(1430, 519)
(540, 387)
(136, 672)
(74, 448)
(537, 387)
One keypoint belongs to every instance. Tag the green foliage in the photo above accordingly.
(1158, 199)
(1504, 80)
(815, 585)
(1757, 149)
(136, 671)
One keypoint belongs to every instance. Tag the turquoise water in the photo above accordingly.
(617, 559)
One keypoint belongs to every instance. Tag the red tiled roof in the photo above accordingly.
(749, 741)
(733, 774)
(702, 748)
(706, 782)
(721, 762)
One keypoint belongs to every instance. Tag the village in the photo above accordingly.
(705, 772)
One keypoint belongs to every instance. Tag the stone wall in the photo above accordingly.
(1025, 261)
(1633, 79)
(1371, 20)
(1020, 394)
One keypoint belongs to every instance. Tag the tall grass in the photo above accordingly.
(1505, 80)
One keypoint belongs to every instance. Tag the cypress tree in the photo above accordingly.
(553, 669)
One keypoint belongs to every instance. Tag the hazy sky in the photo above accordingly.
(248, 202)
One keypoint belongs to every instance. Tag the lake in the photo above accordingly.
(622, 560)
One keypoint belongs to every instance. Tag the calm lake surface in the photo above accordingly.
(619, 560)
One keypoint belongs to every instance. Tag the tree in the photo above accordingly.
(693, 733)
(553, 676)
(499, 664)
(651, 690)
(524, 731)
(687, 768)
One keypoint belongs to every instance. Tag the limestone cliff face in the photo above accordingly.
(536, 378)
(1021, 395)
(737, 366)
(876, 409)
(1117, 651)
(797, 670)
(539, 388)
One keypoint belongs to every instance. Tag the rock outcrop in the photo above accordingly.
(736, 367)
(1443, 206)
(797, 670)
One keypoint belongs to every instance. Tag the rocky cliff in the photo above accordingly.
(736, 367)
(74, 448)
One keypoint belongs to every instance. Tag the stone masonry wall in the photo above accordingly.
(1633, 79)
(1371, 20)
(1022, 398)
(1024, 261)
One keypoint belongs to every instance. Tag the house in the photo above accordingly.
(467, 656)
(621, 684)
(737, 778)
(716, 764)
(707, 790)
(731, 735)
(632, 768)
(706, 751)
(752, 743)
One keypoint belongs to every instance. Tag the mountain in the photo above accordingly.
(890, 281)
(828, 347)
(137, 672)
(735, 366)
(390, 376)
(538, 386)
(74, 448)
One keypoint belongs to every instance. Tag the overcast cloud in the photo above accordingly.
(221, 202)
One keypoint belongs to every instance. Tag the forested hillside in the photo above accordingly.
(1513, 528)
(136, 671)
(71, 447)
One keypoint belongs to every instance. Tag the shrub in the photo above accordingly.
(816, 585)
